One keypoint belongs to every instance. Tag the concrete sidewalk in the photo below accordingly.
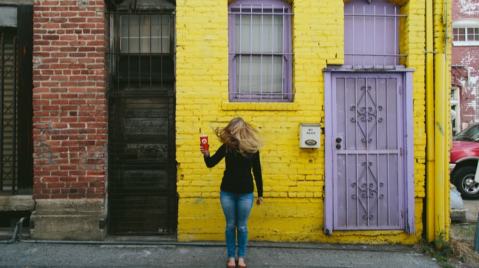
(28, 254)
(472, 210)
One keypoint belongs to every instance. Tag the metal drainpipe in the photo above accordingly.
(441, 147)
(430, 197)
(17, 232)
(441, 125)
(448, 142)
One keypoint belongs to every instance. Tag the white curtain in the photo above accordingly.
(259, 45)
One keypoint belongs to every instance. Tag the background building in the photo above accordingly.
(465, 64)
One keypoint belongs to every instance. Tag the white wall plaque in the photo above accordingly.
(310, 135)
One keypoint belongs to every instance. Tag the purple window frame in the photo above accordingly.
(247, 7)
(371, 33)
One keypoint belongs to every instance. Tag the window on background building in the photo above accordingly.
(260, 51)
(466, 33)
(455, 110)
(371, 33)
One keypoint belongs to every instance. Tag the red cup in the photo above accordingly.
(204, 142)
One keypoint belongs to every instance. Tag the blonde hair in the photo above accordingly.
(240, 136)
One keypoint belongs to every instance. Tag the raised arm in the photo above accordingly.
(211, 161)
(257, 174)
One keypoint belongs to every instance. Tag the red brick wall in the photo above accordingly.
(69, 105)
(466, 58)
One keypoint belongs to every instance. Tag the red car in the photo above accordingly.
(463, 162)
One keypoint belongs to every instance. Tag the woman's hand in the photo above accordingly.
(259, 201)
(204, 152)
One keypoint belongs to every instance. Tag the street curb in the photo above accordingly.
(252, 244)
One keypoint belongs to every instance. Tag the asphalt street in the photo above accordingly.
(24, 254)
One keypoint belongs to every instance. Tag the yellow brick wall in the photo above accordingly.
(293, 178)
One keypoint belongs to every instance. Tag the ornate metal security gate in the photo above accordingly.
(142, 168)
(367, 140)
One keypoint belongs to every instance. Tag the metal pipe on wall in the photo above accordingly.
(440, 134)
(430, 197)
(441, 123)
(437, 108)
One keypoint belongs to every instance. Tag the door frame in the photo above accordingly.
(408, 141)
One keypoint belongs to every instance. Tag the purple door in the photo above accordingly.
(368, 177)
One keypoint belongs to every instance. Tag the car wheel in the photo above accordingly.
(464, 180)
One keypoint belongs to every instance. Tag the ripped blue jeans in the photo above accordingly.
(236, 208)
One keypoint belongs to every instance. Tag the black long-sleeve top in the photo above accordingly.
(237, 177)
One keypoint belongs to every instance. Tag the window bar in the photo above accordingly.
(384, 39)
(170, 31)
(117, 50)
(238, 87)
(251, 53)
(139, 50)
(161, 51)
(272, 51)
(262, 51)
(14, 137)
(108, 49)
(395, 37)
(150, 56)
(169, 37)
(377, 15)
(289, 61)
(364, 32)
(353, 57)
(374, 35)
(128, 57)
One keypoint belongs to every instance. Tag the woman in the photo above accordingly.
(240, 149)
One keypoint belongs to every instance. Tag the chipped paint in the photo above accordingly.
(466, 78)
(469, 7)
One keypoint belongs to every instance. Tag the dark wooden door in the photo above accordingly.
(142, 169)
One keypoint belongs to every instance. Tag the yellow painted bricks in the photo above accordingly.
(293, 178)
